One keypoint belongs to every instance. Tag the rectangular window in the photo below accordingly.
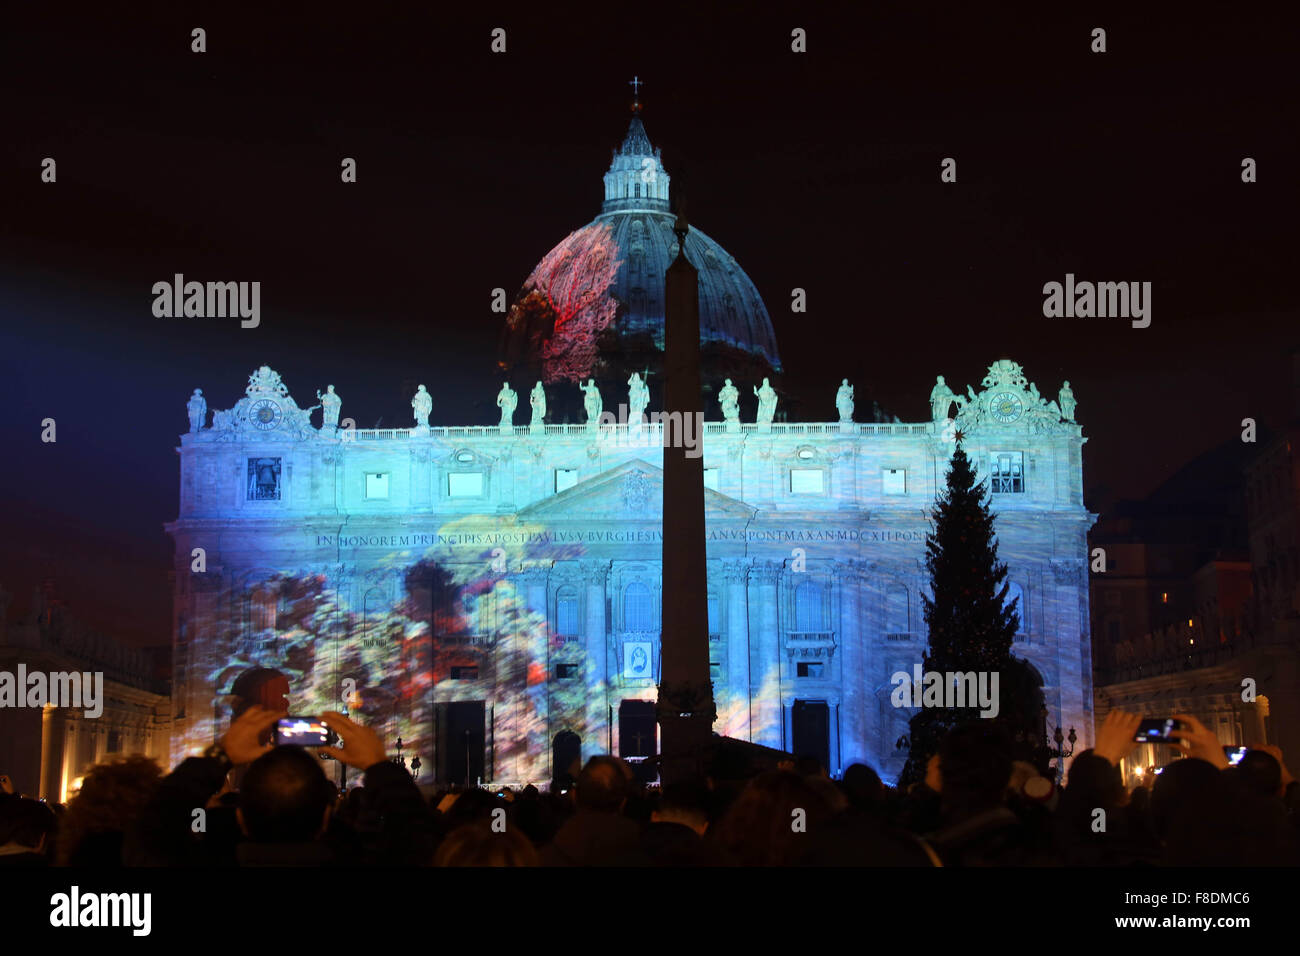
(566, 615)
(565, 478)
(711, 478)
(465, 484)
(811, 669)
(1007, 472)
(807, 481)
(376, 485)
(715, 618)
(464, 673)
(566, 672)
(715, 670)
(894, 480)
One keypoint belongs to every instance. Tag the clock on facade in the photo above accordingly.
(265, 414)
(1006, 407)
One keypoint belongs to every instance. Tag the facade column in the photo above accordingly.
(765, 714)
(340, 581)
(735, 696)
(53, 745)
(595, 574)
(855, 686)
(1071, 639)
(537, 650)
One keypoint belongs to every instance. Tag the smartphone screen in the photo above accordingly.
(1234, 755)
(1157, 730)
(303, 732)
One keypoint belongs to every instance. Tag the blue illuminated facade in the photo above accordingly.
(515, 572)
(491, 594)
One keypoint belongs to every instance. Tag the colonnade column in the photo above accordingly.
(595, 574)
(735, 697)
(537, 650)
(855, 688)
(766, 719)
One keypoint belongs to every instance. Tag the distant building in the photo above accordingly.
(1201, 594)
(46, 750)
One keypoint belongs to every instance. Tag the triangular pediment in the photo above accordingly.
(631, 490)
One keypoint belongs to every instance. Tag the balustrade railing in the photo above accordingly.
(647, 430)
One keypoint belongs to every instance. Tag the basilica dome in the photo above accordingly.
(594, 305)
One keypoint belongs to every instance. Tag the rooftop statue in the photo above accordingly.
(592, 401)
(844, 402)
(1068, 404)
(198, 409)
(638, 397)
(729, 399)
(330, 404)
(537, 399)
(422, 403)
(941, 399)
(507, 401)
(766, 403)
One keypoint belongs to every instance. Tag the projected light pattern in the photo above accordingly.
(489, 629)
(600, 292)
(573, 282)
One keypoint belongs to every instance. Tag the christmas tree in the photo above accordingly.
(971, 625)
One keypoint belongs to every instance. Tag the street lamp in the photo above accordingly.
(1059, 753)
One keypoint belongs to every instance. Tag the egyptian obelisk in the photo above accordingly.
(685, 709)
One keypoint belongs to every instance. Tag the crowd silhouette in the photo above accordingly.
(976, 807)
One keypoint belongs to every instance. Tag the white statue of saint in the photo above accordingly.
(941, 399)
(592, 401)
(507, 401)
(1068, 404)
(729, 399)
(422, 403)
(766, 403)
(537, 399)
(198, 409)
(844, 402)
(638, 397)
(330, 404)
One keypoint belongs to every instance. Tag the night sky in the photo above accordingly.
(818, 171)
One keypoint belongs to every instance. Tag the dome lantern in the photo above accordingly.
(636, 178)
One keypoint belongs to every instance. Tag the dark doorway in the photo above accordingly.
(810, 728)
(636, 737)
(566, 757)
(460, 742)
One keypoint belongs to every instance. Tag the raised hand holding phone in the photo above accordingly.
(1115, 737)
(361, 747)
(241, 742)
(1196, 740)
